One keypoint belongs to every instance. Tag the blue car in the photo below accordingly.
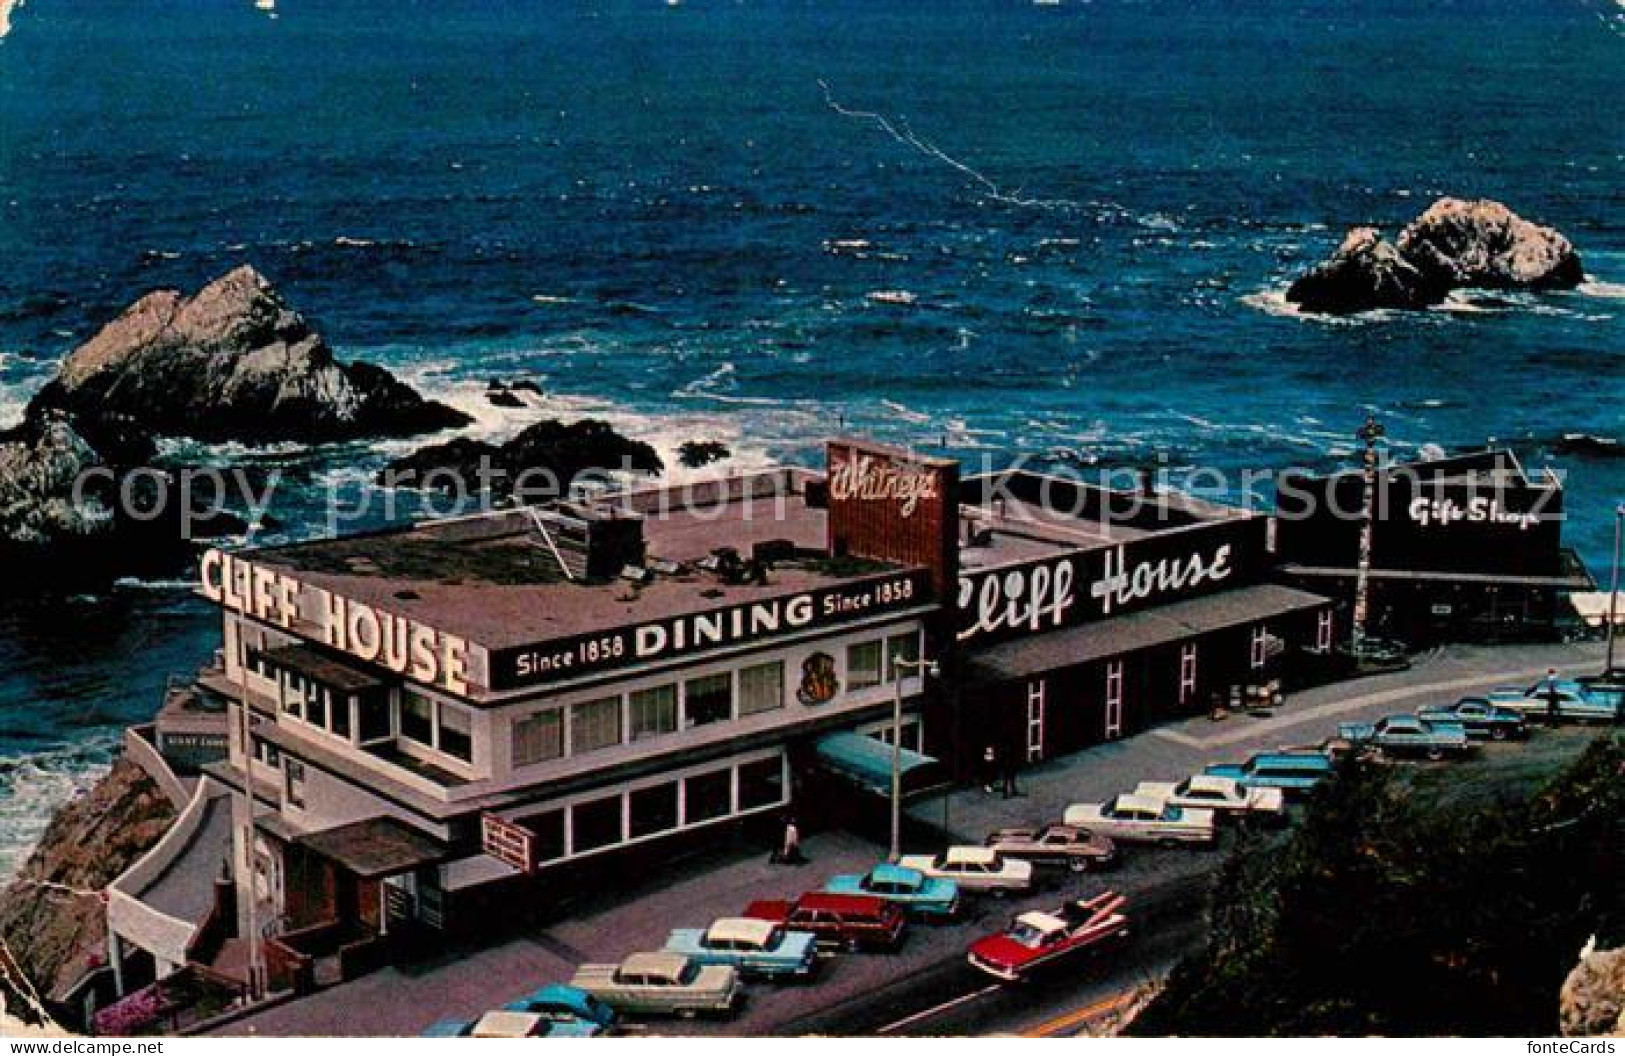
(1479, 718)
(758, 948)
(565, 1004)
(1295, 773)
(925, 896)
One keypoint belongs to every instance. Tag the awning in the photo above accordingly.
(376, 848)
(867, 762)
(321, 668)
(1120, 635)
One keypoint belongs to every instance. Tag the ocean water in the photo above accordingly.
(1080, 218)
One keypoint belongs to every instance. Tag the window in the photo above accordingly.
(315, 704)
(904, 648)
(761, 784)
(1323, 631)
(293, 693)
(294, 779)
(708, 796)
(1187, 672)
(548, 829)
(417, 718)
(708, 699)
(863, 665)
(654, 711)
(595, 824)
(456, 738)
(595, 724)
(1260, 647)
(537, 738)
(372, 711)
(761, 688)
(652, 810)
(341, 716)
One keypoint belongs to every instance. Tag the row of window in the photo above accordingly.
(608, 721)
(446, 728)
(613, 819)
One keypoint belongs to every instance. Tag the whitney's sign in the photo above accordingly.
(865, 476)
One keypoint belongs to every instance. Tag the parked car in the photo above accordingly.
(563, 1003)
(1408, 735)
(1145, 819)
(760, 949)
(1576, 701)
(449, 1028)
(509, 1022)
(1225, 796)
(975, 869)
(931, 897)
(1479, 718)
(852, 922)
(1294, 773)
(662, 984)
(1036, 941)
(1080, 850)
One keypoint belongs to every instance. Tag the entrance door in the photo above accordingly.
(1035, 720)
(1114, 700)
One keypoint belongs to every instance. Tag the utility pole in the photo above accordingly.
(256, 964)
(1370, 433)
(899, 666)
(1613, 587)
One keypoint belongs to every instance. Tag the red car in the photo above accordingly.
(1034, 941)
(851, 922)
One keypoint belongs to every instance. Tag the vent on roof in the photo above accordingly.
(588, 542)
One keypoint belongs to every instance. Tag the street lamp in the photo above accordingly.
(899, 665)
(1613, 588)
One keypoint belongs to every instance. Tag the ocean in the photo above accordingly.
(1079, 220)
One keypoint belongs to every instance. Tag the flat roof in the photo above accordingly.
(376, 847)
(491, 580)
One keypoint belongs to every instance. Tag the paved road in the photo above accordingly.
(859, 994)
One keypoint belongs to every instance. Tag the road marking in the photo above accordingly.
(1339, 707)
(938, 1009)
(1050, 1028)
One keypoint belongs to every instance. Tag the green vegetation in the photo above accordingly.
(1396, 909)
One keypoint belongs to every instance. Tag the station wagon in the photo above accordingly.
(851, 922)
(662, 984)
(1294, 773)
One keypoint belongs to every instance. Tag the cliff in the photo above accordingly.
(52, 920)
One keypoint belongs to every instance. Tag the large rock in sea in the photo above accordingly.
(1484, 244)
(1592, 1001)
(1454, 244)
(234, 362)
(44, 467)
(1366, 272)
(52, 920)
(538, 464)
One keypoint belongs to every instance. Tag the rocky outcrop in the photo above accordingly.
(233, 362)
(44, 464)
(1485, 245)
(1592, 1002)
(1366, 272)
(538, 464)
(697, 453)
(1454, 244)
(52, 920)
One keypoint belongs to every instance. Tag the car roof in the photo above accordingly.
(503, 1023)
(1044, 922)
(1314, 759)
(975, 855)
(896, 874)
(1131, 801)
(1212, 781)
(857, 904)
(670, 965)
(747, 929)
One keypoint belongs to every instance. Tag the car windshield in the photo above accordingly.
(1026, 935)
(1183, 788)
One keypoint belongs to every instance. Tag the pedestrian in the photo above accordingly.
(790, 850)
(1552, 696)
(990, 768)
(1010, 788)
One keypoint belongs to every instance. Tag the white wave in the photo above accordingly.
(354, 243)
(1596, 288)
(550, 298)
(897, 297)
(1272, 301)
(158, 585)
(905, 413)
(6, 9)
(33, 786)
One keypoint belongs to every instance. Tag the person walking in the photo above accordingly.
(1552, 696)
(790, 848)
(990, 768)
(1009, 776)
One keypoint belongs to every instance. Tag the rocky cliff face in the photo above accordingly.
(1593, 997)
(538, 464)
(1454, 244)
(234, 362)
(52, 920)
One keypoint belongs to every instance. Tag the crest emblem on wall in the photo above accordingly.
(819, 683)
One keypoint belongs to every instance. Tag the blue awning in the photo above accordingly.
(867, 761)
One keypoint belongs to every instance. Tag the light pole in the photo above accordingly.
(899, 665)
(1370, 432)
(1613, 588)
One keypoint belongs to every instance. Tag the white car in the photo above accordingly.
(975, 869)
(1223, 795)
(1146, 819)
